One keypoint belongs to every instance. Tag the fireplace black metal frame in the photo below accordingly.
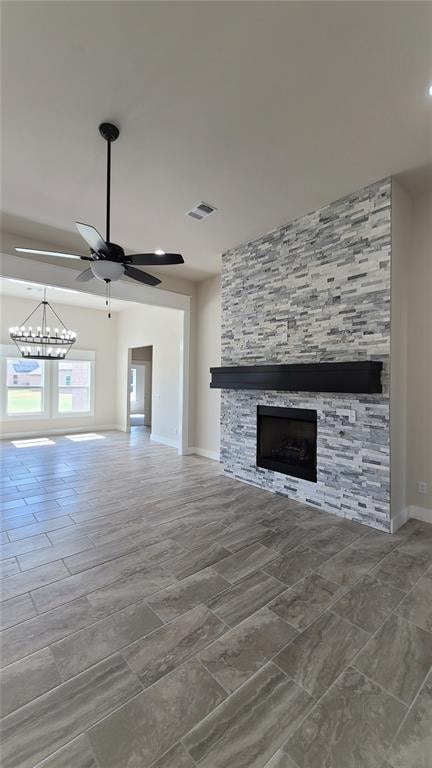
(301, 414)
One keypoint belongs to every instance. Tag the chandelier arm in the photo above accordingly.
(58, 318)
(31, 313)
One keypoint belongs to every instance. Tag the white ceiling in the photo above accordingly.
(34, 291)
(266, 110)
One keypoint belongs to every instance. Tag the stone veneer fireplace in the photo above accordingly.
(316, 290)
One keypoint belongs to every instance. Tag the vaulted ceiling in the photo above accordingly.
(266, 110)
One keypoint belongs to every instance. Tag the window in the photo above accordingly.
(133, 385)
(25, 386)
(43, 389)
(74, 386)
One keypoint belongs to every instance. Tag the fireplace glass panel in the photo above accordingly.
(286, 441)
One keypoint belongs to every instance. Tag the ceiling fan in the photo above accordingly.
(108, 260)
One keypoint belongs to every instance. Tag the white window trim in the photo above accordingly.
(50, 388)
(75, 354)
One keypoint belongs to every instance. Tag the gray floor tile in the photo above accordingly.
(401, 569)
(157, 654)
(245, 561)
(317, 657)
(80, 584)
(119, 594)
(36, 577)
(246, 729)
(236, 538)
(280, 760)
(195, 560)
(81, 650)
(417, 605)
(27, 531)
(16, 610)
(287, 540)
(377, 544)
(348, 566)
(191, 517)
(9, 567)
(144, 729)
(412, 747)
(241, 652)
(332, 539)
(186, 594)
(158, 552)
(44, 725)
(303, 603)
(245, 597)
(42, 630)
(16, 521)
(14, 548)
(52, 553)
(26, 679)
(295, 565)
(351, 727)
(76, 754)
(368, 603)
(177, 757)
(398, 657)
(419, 541)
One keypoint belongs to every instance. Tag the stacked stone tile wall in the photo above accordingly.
(315, 290)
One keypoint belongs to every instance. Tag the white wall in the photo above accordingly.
(96, 333)
(419, 417)
(206, 432)
(160, 328)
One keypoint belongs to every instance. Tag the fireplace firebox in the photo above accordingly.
(287, 441)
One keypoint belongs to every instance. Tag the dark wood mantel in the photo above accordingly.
(350, 377)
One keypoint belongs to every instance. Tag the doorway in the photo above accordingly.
(140, 388)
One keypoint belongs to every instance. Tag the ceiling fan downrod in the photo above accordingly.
(110, 133)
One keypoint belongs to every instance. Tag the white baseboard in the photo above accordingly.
(417, 513)
(62, 431)
(420, 513)
(214, 455)
(399, 520)
(164, 440)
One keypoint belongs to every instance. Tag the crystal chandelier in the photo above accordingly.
(40, 340)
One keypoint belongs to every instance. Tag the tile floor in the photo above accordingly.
(156, 613)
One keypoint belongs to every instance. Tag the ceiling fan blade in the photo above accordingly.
(142, 277)
(92, 237)
(152, 259)
(49, 253)
(83, 277)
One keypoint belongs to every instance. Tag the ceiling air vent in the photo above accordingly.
(201, 211)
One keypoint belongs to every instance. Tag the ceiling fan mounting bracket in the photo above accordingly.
(109, 131)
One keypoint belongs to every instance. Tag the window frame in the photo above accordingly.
(79, 357)
(12, 354)
(133, 384)
(50, 390)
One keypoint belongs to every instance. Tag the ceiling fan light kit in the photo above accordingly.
(39, 340)
(108, 261)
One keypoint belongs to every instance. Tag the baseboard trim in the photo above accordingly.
(417, 513)
(213, 455)
(164, 440)
(399, 520)
(420, 513)
(62, 431)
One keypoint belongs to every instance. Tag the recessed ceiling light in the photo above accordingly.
(159, 252)
(430, 90)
